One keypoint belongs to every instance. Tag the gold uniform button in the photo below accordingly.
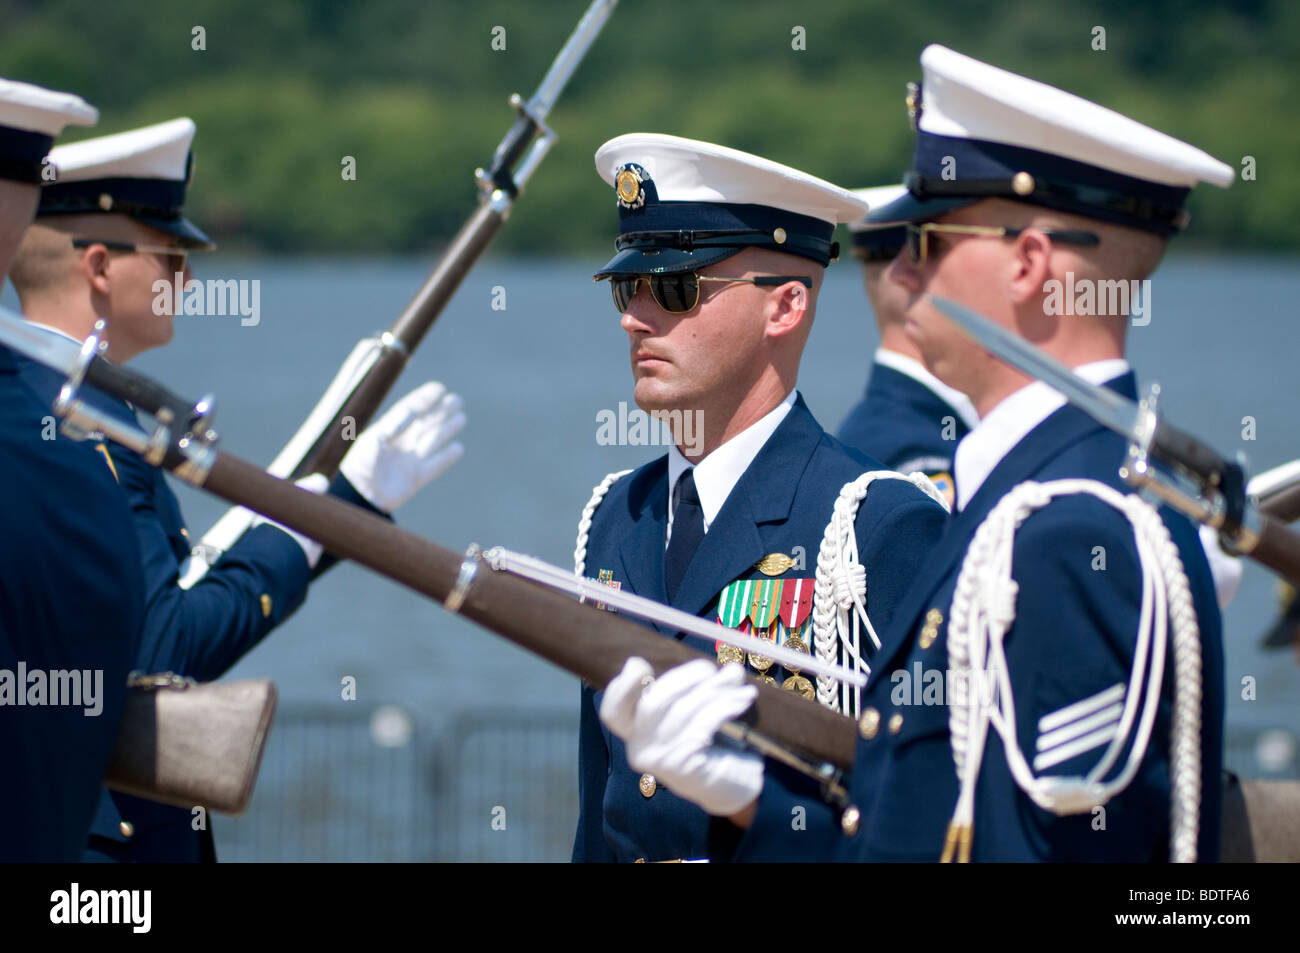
(895, 723)
(127, 829)
(934, 617)
(648, 785)
(928, 635)
(849, 820)
(869, 723)
(266, 606)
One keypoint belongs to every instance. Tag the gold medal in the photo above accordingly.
(774, 564)
(729, 654)
(762, 663)
(766, 679)
(798, 644)
(800, 686)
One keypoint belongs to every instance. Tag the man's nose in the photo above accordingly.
(902, 272)
(641, 312)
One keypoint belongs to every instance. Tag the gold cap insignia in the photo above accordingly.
(627, 184)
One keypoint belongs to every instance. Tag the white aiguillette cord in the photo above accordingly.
(529, 567)
(982, 612)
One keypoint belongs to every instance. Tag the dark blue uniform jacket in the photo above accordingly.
(71, 599)
(781, 504)
(1073, 638)
(199, 632)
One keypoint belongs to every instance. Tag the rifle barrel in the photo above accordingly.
(590, 643)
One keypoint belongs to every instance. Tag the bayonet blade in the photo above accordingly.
(567, 60)
(1101, 403)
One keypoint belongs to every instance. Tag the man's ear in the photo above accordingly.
(94, 267)
(1032, 266)
(791, 303)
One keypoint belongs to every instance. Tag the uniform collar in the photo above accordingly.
(716, 475)
(916, 370)
(53, 330)
(52, 380)
(1007, 424)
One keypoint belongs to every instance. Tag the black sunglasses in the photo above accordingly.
(917, 236)
(679, 292)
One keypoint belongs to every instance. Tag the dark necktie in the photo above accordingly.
(688, 530)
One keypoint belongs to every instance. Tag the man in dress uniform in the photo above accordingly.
(110, 231)
(71, 594)
(720, 258)
(908, 418)
(1047, 188)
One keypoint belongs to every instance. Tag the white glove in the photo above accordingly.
(407, 447)
(668, 726)
(316, 483)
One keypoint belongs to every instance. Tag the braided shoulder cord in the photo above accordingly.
(584, 522)
(983, 609)
(840, 589)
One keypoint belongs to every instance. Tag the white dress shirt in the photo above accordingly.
(53, 330)
(1010, 422)
(716, 475)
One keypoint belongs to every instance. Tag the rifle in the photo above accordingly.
(1277, 491)
(590, 643)
(1202, 483)
(578, 637)
(370, 371)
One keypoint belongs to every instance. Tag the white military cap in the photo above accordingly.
(684, 204)
(878, 241)
(143, 173)
(983, 132)
(30, 118)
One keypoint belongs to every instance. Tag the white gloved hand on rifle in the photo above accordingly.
(395, 456)
(407, 447)
(668, 724)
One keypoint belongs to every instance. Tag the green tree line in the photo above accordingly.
(415, 93)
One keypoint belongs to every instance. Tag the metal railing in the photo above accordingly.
(380, 784)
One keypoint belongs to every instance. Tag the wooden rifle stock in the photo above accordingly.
(591, 643)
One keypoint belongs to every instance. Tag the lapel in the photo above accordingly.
(764, 494)
(1042, 445)
(641, 549)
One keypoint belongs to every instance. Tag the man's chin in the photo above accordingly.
(654, 396)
